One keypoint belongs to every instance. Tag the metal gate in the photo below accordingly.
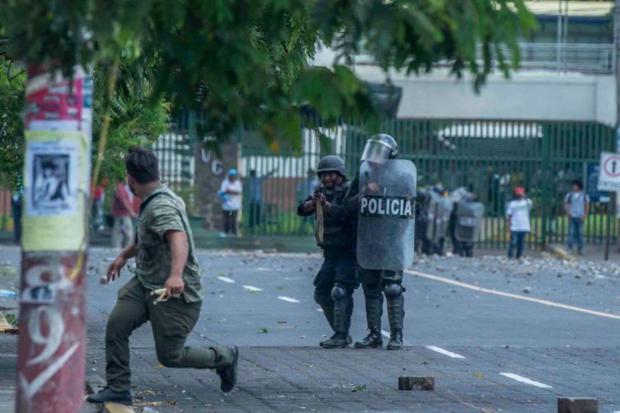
(492, 157)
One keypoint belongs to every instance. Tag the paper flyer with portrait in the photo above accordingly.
(55, 205)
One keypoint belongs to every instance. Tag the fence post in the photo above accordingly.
(546, 197)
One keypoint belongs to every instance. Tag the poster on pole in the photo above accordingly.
(55, 205)
(609, 174)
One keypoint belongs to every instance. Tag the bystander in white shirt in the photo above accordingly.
(518, 211)
(231, 202)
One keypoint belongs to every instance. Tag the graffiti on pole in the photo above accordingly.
(51, 355)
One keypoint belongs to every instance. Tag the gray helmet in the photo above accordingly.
(380, 148)
(331, 163)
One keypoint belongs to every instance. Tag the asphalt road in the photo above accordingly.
(496, 335)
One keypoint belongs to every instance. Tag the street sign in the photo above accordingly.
(609, 177)
(592, 171)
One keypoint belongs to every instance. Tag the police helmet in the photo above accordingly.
(438, 188)
(331, 163)
(379, 148)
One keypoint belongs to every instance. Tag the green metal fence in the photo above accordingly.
(490, 156)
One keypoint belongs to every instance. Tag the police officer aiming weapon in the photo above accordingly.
(336, 232)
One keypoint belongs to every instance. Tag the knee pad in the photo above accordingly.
(393, 290)
(339, 293)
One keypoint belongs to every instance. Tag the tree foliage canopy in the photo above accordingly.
(246, 62)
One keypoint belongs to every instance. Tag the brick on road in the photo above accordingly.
(577, 405)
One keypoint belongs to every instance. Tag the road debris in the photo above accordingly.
(416, 383)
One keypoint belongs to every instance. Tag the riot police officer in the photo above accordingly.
(337, 278)
(385, 239)
(439, 213)
(422, 243)
(467, 222)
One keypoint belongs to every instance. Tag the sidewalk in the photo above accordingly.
(285, 379)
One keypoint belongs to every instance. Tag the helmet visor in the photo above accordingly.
(376, 151)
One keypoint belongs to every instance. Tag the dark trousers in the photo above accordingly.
(171, 320)
(230, 222)
(341, 271)
(17, 224)
(575, 233)
(517, 243)
(255, 218)
(375, 283)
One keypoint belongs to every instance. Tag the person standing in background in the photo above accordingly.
(98, 202)
(577, 206)
(123, 213)
(255, 188)
(16, 208)
(518, 216)
(230, 195)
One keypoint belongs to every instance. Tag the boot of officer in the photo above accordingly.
(377, 283)
(393, 291)
(337, 278)
(373, 296)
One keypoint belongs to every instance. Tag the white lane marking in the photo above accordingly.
(514, 296)
(288, 299)
(445, 352)
(226, 279)
(525, 380)
(251, 288)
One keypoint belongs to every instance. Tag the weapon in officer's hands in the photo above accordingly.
(318, 225)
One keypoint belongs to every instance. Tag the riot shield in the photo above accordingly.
(439, 211)
(385, 235)
(468, 221)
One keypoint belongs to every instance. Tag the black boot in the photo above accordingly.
(374, 309)
(396, 314)
(343, 306)
(109, 395)
(372, 340)
(396, 340)
(228, 371)
(338, 340)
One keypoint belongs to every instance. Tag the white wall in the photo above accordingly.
(527, 96)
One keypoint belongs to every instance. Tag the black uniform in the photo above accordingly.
(422, 243)
(337, 278)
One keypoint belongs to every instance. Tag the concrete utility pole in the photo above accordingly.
(617, 63)
(52, 339)
(617, 71)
